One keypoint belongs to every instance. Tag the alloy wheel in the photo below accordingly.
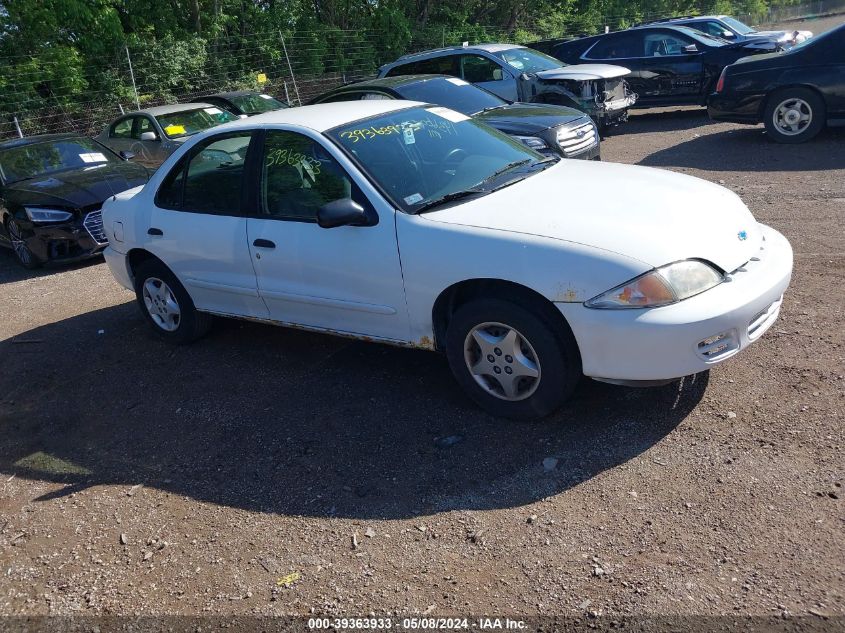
(19, 244)
(502, 361)
(161, 304)
(792, 116)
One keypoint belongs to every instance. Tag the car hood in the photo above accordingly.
(656, 216)
(528, 118)
(78, 188)
(584, 72)
(782, 35)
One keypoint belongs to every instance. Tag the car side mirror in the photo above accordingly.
(728, 35)
(498, 75)
(692, 48)
(148, 136)
(243, 116)
(343, 212)
(125, 155)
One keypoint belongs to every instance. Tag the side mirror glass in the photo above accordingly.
(243, 116)
(343, 212)
(498, 75)
(126, 155)
(148, 136)
(728, 35)
(692, 48)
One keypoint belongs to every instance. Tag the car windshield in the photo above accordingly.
(40, 159)
(704, 38)
(736, 25)
(256, 103)
(452, 93)
(527, 60)
(189, 122)
(423, 155)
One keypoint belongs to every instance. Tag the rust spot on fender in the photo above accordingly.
(566, 295)
(425, 343)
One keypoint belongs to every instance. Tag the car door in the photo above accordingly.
(489, 74)
(198, 228)
(119, 136)
(346, 279)
(148, 151)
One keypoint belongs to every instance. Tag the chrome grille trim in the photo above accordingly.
(576, 139)
(93, 223)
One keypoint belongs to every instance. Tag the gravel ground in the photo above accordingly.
(269, 471)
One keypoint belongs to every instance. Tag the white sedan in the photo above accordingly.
(411, 224)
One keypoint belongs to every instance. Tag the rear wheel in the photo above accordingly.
(25, 256)
(166, 304)
(509, 360)
(794, 115)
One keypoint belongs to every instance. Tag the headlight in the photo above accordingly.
(37, 214)
(660, 287)
(533, 142)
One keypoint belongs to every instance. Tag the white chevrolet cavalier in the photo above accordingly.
(411, 224)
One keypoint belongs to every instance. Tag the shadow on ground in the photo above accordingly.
(283, 421)
(741, 149)
(11, 270)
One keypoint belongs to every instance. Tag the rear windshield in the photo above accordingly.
(39, 159)
(189, 122)
(256, 103)
(453, 93)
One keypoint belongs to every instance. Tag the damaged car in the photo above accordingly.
(518, 73)
(729, 28)
(670, 65)
(51, 189)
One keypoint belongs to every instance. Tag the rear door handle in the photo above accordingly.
(264, 243)
(154, 231)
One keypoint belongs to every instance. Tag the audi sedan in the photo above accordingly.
(549, 129)
(51, 189)
(415, 225)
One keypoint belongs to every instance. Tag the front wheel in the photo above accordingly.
(794, 115)
(166, 304)
(25, 256)
(509, 360)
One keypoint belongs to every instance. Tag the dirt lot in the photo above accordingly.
(142, 478)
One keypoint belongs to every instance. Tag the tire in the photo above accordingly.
(167, 306)
(483, 330)
(796, 104)
(24, 255)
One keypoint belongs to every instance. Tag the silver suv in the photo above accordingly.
(517, 73)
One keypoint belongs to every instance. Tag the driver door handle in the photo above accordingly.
(154, 231)
(260, 243)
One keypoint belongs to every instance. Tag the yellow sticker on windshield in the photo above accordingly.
(173, 130)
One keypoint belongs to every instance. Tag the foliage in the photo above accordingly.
(72, 56)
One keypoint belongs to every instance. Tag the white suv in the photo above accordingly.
(414, 225)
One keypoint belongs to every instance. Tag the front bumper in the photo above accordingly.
(119, 269)
(67, 242)
(735, 109)
(689, 336)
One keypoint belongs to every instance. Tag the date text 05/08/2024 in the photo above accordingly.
(418, 623)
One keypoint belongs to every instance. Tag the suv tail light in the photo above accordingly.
(720, 85)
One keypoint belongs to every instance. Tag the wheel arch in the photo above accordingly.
(764, 103)
(137, 256)
(462, 292)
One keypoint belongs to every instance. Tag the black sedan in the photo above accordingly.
(670, 65)
(549, 129)
(794, 93)
(51, 191)
(243, 103)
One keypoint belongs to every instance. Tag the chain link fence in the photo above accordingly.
(58, 95)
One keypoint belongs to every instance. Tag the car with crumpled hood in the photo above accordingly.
(519, 73)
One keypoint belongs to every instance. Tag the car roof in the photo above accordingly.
(231, 93)
(172, 108)
(395, 81)
(322, 116)
(38, 138)
(489, 48)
